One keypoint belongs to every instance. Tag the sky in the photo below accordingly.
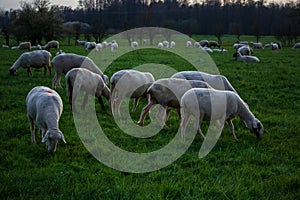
(7, 4)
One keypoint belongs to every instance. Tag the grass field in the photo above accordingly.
(246, 168)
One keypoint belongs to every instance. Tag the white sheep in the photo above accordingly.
(245, 50)
(65, 62)
(80, 42)
(160, 45)
(218, 82)
(104, 44)
(197, 44)
(207, 49)
(25, 46)
(114, 46)
(274, 46)
(172, 44)
(237, 45)
(167, 92)
(245, 58)
(88, 82)
(217, 105)
(90, 46)
(98, 47)
(35, 59)
(52, 45)
(219, 50)
(166, 44)
(44, 106)
(257, 45)
(188, 44)
(39, 47)
(134, 44)
(129, 83)
(297, 45)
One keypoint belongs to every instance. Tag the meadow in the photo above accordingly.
(245, 168)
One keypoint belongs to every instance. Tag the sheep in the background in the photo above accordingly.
(114, 46)
(213, 44)
(273, 45)
(38, 47)
(81, 43)
(257, 45)
(207, 49)
(246, 58)
(188, 44)
(52, 45)
(25, 46)
(245, 50)
(80, 79)
(197, 45)
(219, 50)
(104, 44)
(65, 62)
(90, 46)
(129, 83)
(60, 52)
(238, 45)
(98, 47)
(134, 44)
(167, 92)
(218, 82)
(35, 59)
(166, 44)
(216, 105)
(44, 106)
(203, 43)
(160, 45)
(172, 44)
(297, 45)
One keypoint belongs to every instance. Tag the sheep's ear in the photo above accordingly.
(45, 138)
(62, 137)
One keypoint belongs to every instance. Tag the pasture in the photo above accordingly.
(246, 168)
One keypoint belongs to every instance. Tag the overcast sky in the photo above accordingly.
(7, 4)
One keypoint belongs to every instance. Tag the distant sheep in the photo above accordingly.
(160, 45)
(88, 82)
(44, 106)
(114, 46)
(188, 44)
(98, 47)
(213, 44)
(123, 84)
(172, 44)
(207, 49)
(198, 102)
(65, 62)
(25, 46)
(257, 45)
(245, 50)
(273, 45)
(203, 43)
(197, 45)
(166, 44)
(52, 45)
(35, 59)
(238, 45)
(245, 58)
(81, 43)
(296, 46)
(167, 92)
(134, 44)
(90, 46)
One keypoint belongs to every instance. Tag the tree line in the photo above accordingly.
(39, 20)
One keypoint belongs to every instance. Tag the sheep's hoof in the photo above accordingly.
(140, 123)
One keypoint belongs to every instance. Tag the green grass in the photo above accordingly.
(246, 168)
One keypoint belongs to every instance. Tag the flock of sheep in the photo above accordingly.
(198, 94)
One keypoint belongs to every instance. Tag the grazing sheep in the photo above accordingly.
(207, 49)
(274, 46)
(52, 45)
(245, 50)
(25, 46)
(213, 44)
(144, 42)
(129, 82)
(90, 46)
(218, 82)
(81, 43)
(203, 43)
(65, 62)
(188, 44)
(5, 46)
(172, 44)
(35, 59)
(87, 81)
(216, 105)
(297, 45)
(98, 47)
(257, 45)
(114, 46)
(134, 44)
(219, 50)
(197, 45)
(238, 45)
(44, 106)
(167, 92)
(160, 45)
(166, 44)
(104, 44)
(245, 58)
(243, 42)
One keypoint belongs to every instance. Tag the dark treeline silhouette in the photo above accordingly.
(213, 17)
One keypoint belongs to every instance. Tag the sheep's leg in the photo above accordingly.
(31, 123)
(198, 126)
(184, 123)
(135, 103)
(54, 81)
(73, 99)
(85, 99)
(50, 70)
(145, 110)
(161, 116)
(231, 126)
(41, 135)
(101, 102)
(29, 71)
(45, 70)
(178, 113)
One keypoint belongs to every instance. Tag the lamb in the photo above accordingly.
(218, 82)
(35, 59)
(172, 44)
(213, 44)
(245, 58)
(167, 92)
(134, 44)
(24, 46)
(297, 45)
(216, 105)
(52, 45)
(44, 106)
(65, 62)
(87, 81)
(129, 83)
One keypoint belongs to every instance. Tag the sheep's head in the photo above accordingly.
(13, 72)
(51, 138)
(257, 128)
